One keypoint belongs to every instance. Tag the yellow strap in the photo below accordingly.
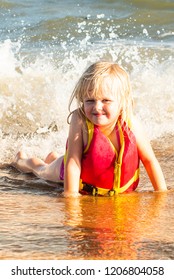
(90, 127)
(118, 162)
(117, 173)
(105, 192)
(128, 184)
(98, 191)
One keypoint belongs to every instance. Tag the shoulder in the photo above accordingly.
(136, 127)
(77, 126)
(76, 120)
(76, 117)
(142, 139)
(139, 132)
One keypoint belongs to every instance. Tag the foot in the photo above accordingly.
(51, 157)
(19, 155)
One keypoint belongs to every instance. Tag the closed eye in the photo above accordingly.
(89, 100)
(106, 100)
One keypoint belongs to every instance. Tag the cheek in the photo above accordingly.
(115, 110)
(86, 110)
(87, 107)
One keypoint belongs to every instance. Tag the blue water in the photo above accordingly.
(49, 24)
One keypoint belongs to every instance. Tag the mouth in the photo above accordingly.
(98, 114)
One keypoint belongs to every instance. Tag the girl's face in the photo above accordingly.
(103, 111)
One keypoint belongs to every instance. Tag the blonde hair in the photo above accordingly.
(104, 76)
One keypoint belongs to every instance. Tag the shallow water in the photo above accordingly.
(37, 222)
(44, 48)
(43, 226)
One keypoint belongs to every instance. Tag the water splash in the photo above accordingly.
(35, 91)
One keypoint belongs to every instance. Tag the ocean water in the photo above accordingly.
(45, 46)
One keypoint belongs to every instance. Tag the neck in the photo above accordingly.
(107, 130)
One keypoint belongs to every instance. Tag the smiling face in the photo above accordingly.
(103, 94)
(102, 111)
(102, 103)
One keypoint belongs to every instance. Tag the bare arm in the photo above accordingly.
(74, 154)
(148, 158)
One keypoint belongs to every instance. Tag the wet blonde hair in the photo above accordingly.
(104, 77)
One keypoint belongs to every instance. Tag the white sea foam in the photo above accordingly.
(34, 94)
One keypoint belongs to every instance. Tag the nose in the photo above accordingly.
(98, 105)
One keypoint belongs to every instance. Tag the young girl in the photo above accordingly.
(105, 142)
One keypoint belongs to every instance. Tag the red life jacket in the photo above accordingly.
(106, 170)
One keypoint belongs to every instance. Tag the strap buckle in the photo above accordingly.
(94, 191)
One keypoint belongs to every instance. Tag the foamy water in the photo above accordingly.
(35, 95)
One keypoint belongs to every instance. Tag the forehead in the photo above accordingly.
(100, 95)
(104, 88)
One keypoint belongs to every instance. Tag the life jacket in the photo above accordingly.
(103, 170)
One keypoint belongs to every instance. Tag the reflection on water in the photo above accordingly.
(42, 226)
(38, 223)
(134, 226)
